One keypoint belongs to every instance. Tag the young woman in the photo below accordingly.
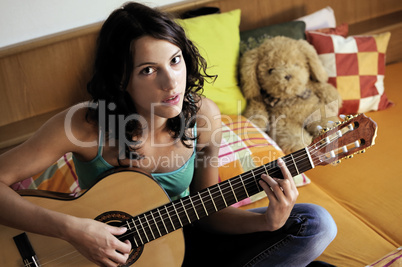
(147, 111)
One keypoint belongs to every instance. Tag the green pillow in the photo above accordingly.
(253, 38)
(217, 38)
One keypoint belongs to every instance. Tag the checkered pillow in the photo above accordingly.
(356, 67)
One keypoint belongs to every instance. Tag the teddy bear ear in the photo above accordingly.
(248, 74)
(317, 70)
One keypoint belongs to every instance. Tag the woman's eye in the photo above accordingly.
(176, 60)
(148, 71)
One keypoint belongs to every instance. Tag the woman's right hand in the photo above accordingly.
(97, 241)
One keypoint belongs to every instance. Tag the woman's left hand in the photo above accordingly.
(282, 195)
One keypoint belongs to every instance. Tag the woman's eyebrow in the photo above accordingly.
(175, 54)
(145, 63)
(154, 63)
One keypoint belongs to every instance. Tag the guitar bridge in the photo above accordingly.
(26, 251)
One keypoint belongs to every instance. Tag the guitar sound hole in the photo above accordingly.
(116, 218)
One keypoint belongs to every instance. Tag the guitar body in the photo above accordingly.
(130, 192)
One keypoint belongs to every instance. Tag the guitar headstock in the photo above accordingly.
(346, 139)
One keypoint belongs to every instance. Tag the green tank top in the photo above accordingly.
(175, 183)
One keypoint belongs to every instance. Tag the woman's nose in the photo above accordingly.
(169, 80)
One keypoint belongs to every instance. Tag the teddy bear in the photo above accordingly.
(287, 93)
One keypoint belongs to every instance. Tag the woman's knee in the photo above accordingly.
(320, 223)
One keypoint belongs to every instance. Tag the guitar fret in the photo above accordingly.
(290, 164)
(163, 222)
(142, 226)
(306, 163)
(266, 171)
(213, 202)
(196, 213)
(149, 226)
(170, 218)
(234, 194)
(255, 180)
(294, 163)
(223, 197)
(178, 217)
(202, 202)
(130, 229)
(242, 182)
(156, 223)
(128, 225)
(185, 211)
(136, 230)
(309, 158)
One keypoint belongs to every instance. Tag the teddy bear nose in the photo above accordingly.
(288, 77)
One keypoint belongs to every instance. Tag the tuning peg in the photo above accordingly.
(346, 117)
(321, 129)
(350, 156)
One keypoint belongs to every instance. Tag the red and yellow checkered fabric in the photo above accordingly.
(356, 67)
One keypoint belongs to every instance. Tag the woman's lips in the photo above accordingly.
(173, 100)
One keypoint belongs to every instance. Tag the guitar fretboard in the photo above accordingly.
(158, 222)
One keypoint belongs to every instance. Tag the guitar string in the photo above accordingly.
(184, 207)
(60, 259)
(194, 204)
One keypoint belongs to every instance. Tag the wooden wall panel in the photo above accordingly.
(45, 78)
(256, 13)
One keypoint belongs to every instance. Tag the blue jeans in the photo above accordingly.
(305, 235)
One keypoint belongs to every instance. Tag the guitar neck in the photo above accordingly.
(174, 215)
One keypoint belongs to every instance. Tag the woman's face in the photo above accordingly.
(158, 81)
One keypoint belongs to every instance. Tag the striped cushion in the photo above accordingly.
(60, 177)
(392, 259)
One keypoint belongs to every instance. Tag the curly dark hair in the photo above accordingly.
(114, 65)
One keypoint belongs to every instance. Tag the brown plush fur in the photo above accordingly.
(287, 92)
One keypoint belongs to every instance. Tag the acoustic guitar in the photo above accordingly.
(133, 199)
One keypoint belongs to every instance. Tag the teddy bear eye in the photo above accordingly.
(270, 71)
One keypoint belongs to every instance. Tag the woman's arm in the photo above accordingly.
(28, 159)
(282, 193)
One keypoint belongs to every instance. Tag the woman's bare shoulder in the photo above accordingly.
(77, 127)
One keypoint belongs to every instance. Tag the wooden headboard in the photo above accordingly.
(43, 76)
